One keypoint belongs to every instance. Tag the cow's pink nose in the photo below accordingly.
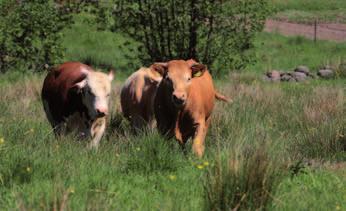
(179, 98)
(102, 111)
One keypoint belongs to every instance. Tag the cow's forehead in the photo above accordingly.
(179, 67)
(99, 82)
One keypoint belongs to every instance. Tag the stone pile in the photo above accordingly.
(300, 74)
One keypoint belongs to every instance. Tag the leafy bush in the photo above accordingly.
(217, 33)
(30, 35)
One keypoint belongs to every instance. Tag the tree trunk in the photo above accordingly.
(193, 29)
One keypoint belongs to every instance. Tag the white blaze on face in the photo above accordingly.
(96, 93)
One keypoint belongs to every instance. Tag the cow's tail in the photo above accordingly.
(221, 97)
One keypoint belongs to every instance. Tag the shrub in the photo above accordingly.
(30, 35)
(217, 33)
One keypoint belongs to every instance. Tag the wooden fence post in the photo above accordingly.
(315, 31)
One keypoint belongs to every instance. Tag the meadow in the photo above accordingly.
(278, 146)
(308, 11)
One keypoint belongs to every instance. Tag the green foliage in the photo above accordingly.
(30, 35)
(217, 33)
(101, 49)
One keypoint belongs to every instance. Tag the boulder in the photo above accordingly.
(266, 78)
(299, 76)
(272, 76)
(302, 69)
(326, 73)
(287, 77)
(275, 75)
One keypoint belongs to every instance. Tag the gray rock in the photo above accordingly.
(275, 75)
(302, 69)
(292, 80)
(266, 78)
(287, 77)
(299, 76)
(326, 73)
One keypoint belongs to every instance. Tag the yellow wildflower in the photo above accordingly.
(172, 177)
(29, 131)
(71, 190)
(338, 207)
(200, 166)
(28, 169)
(138, 149)
(2, 141)
(206, 163)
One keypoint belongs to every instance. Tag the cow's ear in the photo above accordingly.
(80, 85)
(111, 75)
(198, 69)
(161, 68)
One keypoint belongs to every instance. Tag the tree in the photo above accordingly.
(218, 33)
(30, 35)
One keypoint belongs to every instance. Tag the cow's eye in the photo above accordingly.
(189, 79)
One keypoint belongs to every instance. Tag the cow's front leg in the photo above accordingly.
(199, 137)
(97, 129)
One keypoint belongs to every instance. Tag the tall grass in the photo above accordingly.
(244, 180)
(258, 149)
(252, 145)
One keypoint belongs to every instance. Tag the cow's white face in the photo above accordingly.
(96, 89)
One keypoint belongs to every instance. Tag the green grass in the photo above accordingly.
(307, 11)
(286, 53)
(259, 139)
(102, 49)
(258, 149)
(309, 5)
(313, 190)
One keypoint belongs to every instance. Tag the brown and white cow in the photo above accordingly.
(184, 101)
(137, 97)
(75, 98)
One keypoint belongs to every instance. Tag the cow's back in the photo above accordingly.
(137, 97)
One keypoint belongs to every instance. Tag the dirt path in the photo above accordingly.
(334, 32)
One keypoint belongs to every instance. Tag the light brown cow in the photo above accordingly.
(75, 98)
(184, 101)
(137, 97)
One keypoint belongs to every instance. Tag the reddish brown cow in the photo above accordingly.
(184, 101)
(137, 97)
(75, 98)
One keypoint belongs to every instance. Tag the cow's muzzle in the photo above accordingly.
(178, 102)
(101, 112)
